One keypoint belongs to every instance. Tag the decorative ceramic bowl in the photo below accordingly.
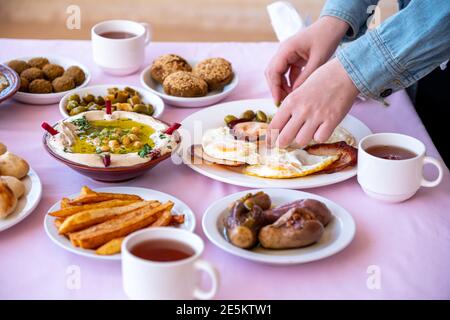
(108, 174)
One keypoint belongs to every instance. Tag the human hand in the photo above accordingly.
(303, 53)
(313, 110)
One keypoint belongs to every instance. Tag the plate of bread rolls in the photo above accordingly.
(20, 189)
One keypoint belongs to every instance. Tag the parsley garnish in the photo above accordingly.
(82, 123)
(162, 136)
(146, 149)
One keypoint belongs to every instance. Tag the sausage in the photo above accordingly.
(298, 227)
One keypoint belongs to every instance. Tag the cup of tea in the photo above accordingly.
(164, 263)
(390, 166)
(118, 46)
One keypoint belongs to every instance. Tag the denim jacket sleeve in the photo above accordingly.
(403, 49)
(355, 12)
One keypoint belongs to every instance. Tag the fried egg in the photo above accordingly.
(284, 164)
(221, 144)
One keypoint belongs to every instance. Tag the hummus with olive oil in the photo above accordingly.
(128, 137)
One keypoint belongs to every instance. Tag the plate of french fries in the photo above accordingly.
(94, 223)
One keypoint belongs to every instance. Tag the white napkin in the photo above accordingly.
(286, 21)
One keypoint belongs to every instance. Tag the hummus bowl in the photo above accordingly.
(111, 148)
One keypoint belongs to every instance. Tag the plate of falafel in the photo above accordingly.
(185, 83)
(45, 80)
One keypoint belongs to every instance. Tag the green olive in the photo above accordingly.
(261, 116)
(269, 118)
(90, 104)
(71, 105)
(134, 100)
(78, 110)
(131, 91)
(229, 118)
(75, 97)
(150, 109)
(88, 98)
(248, 115)
(94, 106)
(140, 108)
(100, 101)
(122, 96)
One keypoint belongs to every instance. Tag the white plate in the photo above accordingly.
(50, 98)
(211, 98)
(179, 208)
(338, 233)
(102, 90)
(212, 117)
(27, 203)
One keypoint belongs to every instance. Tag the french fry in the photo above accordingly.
(120, 226)
(114, 246)
(87, 218)
(111, 247)
(101, 196)
(86, 190)
(163, 220)
(176, 220)
(66, 212)
(58, 222)
(65, 203)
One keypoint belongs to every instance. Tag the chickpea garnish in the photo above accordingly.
(104, 148)
(135, 130)
(126, 141)
(113, 144)
(137, 144)
(133, 137)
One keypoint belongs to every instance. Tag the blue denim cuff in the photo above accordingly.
(343, 15)
(372, 68)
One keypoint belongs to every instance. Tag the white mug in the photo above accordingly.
(394, 180)
(120, 56)
(176, 280)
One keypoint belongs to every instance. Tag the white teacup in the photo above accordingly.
(394, 180)
(177, 280)
(120, 56)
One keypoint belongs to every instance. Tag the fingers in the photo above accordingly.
(276, 125)
(289, 132)
(309, 68)
(324, 131)
(306, 133)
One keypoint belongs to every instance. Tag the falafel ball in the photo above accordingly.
(167, 64)
(217, 72)
(63, 83)
(39, 62)
(76, 73)
(185, 84)
(18, 65)
(52, 71)
(32, 73)
(23, 84)
(40, 86)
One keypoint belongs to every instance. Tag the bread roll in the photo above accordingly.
(12, 165)
(8, 201)
(16, 186)
(3, 148)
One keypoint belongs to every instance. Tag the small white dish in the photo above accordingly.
(51, 98)
(338, 233)
(102, 90)
(27, 203)
(179, 208)
(213, 117)
(211, 98)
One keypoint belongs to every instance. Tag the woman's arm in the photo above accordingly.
(405, 48)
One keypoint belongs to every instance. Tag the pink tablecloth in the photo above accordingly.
(409, 243)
